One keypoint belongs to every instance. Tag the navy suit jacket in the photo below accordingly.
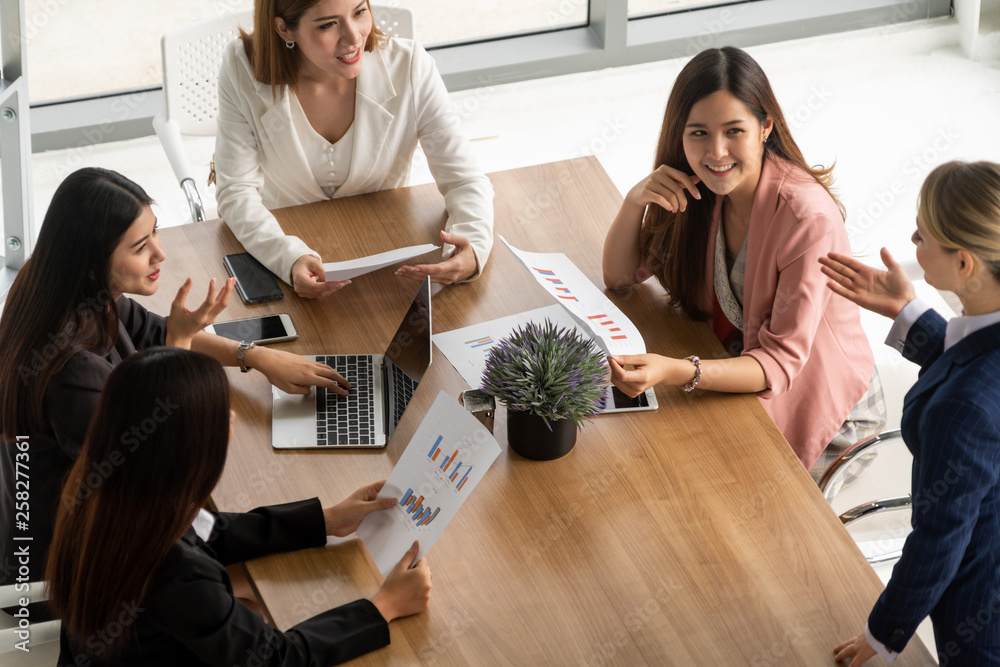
(189, 615)
(950, 567)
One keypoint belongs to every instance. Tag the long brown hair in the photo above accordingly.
(273, 63)
(154, 452)
(674, 245)
(61, 301)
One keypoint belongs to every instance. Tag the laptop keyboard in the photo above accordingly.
(403, 388)
(346, 420)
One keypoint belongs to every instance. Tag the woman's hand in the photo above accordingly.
(665, 187)
(184, 324)
(857, 649)
(309, 278)
(293, 373)
(460, 266)
(648, 370)
(344, 518)
(882, 292)
(407, 589)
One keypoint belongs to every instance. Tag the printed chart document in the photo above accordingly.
(446, 458)
(352, 268)
(468, 348)
(608, 325)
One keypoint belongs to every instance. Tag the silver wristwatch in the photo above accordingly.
(241, 353)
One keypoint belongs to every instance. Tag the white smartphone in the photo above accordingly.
(261, 330)
(619, 402)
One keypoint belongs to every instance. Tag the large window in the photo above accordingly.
(96, 63)
(82, 48)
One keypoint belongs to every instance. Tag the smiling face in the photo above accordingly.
(724, 144)
(330, 38)
(135, 263)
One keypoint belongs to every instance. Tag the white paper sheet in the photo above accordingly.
(468, 348)
(561, 278)
(353, 268)
(444, 461)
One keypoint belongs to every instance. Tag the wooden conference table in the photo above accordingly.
(686, 536)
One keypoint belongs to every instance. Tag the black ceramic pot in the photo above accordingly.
(529, 436)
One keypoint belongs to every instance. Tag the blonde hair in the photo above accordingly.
(959, 207)
(272, 62)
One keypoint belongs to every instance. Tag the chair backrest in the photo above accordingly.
(192, 56)
(395, 21)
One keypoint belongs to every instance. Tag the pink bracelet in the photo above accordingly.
(697, 373)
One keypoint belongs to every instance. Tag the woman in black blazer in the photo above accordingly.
(67, 322)
(137, 570)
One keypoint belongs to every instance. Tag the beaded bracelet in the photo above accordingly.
(697, 373)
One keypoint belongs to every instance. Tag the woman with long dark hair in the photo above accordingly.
(949, 568)
(137, 568)
(317, 103)
(67, 322)
(731, 222)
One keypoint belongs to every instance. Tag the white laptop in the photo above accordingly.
(381, 388)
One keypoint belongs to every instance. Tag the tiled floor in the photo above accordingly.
(886, 105)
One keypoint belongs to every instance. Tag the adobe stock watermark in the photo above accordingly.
(443, 641)
(59, 341)
(635, 621)
(132, 439)
(914, 169)
(714, 28)
(779, 648)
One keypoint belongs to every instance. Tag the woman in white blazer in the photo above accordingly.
(316, 104)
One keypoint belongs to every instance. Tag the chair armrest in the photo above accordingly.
(853, 452)
(875, 506)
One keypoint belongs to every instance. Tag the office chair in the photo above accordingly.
(868, 486)
(44, 641)
(192, 56)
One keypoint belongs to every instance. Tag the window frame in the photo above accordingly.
(611, 39)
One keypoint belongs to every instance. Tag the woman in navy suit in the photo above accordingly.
(950, 567)
(137, 570)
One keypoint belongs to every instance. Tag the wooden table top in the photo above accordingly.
(687, 536)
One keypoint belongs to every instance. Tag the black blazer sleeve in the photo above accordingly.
(197, 609)
(193, 602)
(267, 530)
(146, 329)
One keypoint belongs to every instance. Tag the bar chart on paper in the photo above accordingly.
(589, 305)
(449, 462)
(414, 507)
(468, 348)
(443, 462)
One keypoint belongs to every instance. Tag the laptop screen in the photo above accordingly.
(410, 347)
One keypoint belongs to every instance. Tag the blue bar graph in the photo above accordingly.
(436, 448)
(413, 505)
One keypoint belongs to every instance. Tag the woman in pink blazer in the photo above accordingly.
(732, 223)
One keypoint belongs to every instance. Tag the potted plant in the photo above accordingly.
(550, 379)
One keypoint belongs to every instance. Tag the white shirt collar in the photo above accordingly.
(203, 524)
(960, 327)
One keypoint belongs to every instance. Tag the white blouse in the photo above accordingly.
(330, 163)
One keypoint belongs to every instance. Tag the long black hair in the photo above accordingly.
(152, 456)
(61, 301)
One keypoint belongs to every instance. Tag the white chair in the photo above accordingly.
(192, 56)
(43, 642)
